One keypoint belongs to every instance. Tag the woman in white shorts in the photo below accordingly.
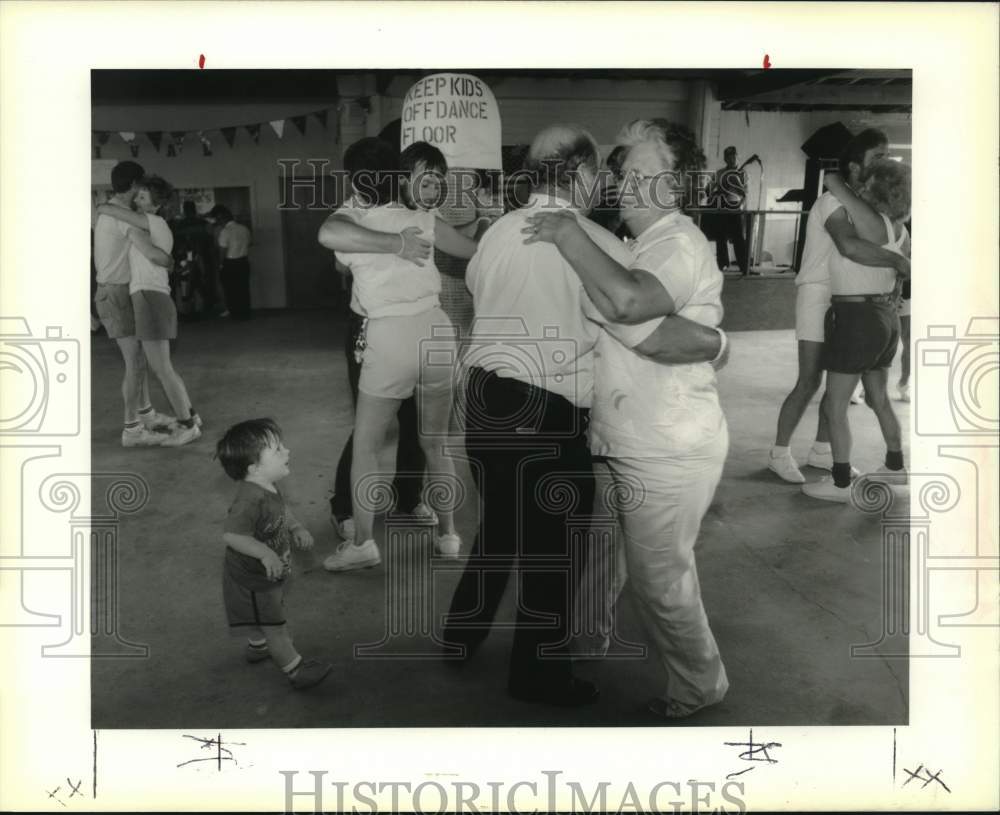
(409, 344)
(155, 312)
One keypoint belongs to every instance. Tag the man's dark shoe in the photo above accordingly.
(571, 693)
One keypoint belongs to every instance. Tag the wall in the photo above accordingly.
(600, 105)
(526, 105)
(244, 165)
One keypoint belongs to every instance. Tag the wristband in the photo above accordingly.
(723, 345)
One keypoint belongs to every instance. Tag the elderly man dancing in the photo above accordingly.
(526, 415)
(660, 426)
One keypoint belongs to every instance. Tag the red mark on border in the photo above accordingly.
(767, 61)
(201, 61)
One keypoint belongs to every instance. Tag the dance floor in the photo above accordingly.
(790, 584)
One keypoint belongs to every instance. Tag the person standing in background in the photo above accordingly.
(193, 252)
(234, 241)
(730, 194)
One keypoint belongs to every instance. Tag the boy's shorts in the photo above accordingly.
(114, 308)
(811, 302)
(155, 315)
(248, 608)
(405, 353)
(860, 336)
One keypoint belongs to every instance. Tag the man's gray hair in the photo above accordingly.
(558, 151)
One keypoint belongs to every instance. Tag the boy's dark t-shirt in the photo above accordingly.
(260, 514)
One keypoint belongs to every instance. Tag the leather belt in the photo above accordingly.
(862, 298)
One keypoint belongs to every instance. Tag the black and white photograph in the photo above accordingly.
(559, 482)
(425, 405)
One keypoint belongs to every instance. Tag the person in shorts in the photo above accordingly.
(862, 324)
(154, 311)
(409, 342)
(144, 426)
(259, 534)
(829, 232)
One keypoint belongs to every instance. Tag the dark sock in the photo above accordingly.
(145, 410)
(894, 459)
(842, 474)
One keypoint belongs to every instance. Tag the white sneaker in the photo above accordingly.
(904, 393)
(345, 528)
(448, 546)
(786, 467)
(143, 437)
(197, 420)
(182, 435)
(824, 461)
(858, 397)
(349, 557)
(423, 514)
(826, 490)
(154, 420)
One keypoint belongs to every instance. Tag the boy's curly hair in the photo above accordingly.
(243, 443)
(887, 188)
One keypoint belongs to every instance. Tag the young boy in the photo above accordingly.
(259, 533)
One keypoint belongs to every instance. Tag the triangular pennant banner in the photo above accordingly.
(254, 131)
(300, 124)
(229, 134)
(321, 116)
(102, 138)
(278, 126)
(155, 138)
(127, 136)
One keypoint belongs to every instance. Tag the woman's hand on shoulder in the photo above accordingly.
(551, 227)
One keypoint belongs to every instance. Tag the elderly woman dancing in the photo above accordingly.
(660, 426)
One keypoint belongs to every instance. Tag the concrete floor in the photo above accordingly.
(789, 583)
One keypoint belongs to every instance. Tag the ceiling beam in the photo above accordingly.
(855, 96)
(733, 89)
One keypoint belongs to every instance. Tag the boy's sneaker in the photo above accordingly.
(256, 653)
(345, 527)
(824, 461)
(197, 420)
(904, 393)
(786, 468)
(826, 490)
(423, 514)
(349, 557)
(448, 546)
(160, 422)
(143, 437)
(309, 673)
(182, 435)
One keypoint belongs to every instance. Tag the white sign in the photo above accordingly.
(458, 114)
